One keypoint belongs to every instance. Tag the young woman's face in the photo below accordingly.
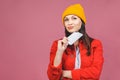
(72, 23)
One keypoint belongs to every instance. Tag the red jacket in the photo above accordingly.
(91, 66)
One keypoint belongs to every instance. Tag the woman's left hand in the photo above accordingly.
(67, 74)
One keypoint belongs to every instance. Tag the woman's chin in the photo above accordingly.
(71, 31)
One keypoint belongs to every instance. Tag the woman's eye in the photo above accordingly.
(74, 18)
(65, 19)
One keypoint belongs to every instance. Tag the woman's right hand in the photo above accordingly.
(62, 45)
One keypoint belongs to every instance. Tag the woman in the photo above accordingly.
(81, 61)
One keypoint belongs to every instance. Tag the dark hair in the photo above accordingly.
(85, 38)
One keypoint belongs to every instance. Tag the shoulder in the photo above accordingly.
(55, 42)
(96, 43)
(54, 46)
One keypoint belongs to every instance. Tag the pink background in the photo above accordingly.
(28, 28)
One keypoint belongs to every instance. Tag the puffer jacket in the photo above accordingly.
(91, 66)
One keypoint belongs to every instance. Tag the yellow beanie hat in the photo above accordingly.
(75, 9)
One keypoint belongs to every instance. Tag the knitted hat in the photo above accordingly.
(75, 9)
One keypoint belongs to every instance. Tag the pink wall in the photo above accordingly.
(28, 27)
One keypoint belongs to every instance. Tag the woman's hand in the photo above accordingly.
(62, 45)
(67, 74)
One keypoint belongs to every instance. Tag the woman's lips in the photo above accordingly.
(70, 27)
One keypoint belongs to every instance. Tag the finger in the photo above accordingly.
(65, 40)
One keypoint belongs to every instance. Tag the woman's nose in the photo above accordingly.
(70, 22)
